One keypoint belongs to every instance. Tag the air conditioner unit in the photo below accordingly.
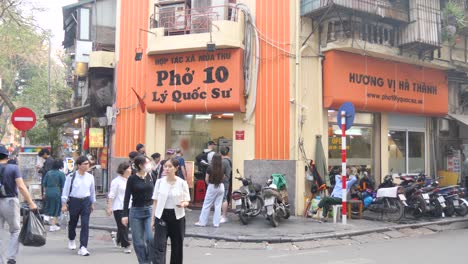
(203, 12)
(173, 17)
(168, 2)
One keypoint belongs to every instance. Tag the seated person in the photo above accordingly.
(335, 197)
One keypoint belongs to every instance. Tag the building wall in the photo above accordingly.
(272, 119)
(130, 120)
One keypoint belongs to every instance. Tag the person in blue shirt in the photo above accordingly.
(336, 195)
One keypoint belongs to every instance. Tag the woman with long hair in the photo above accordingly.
(171, 195)
(116, 202)
(140, 188)
(214, 193)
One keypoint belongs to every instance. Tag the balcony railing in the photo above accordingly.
(180, 21)
(425, 30)
(378, 8)
(374, 33)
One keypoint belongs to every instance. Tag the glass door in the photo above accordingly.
(406, 151)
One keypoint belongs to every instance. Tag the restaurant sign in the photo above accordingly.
(379, 85)
(196, 82)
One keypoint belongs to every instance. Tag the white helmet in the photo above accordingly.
(273, 186)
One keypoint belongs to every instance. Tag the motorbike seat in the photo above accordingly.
(427, 189)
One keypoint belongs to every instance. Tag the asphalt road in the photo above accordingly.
(438, 247)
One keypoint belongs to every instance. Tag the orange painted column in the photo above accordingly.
(272, 114)
(130, 122)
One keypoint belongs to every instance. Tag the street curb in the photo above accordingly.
(278, 239)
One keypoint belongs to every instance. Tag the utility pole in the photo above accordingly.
(48, 75)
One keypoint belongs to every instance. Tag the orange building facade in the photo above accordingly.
(271, 103)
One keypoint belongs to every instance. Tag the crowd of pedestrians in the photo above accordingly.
(147, 198)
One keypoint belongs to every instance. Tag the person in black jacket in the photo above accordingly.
(140, 188)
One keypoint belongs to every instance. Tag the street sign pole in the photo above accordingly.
(343, 166)
(23, 135)
(345, 119)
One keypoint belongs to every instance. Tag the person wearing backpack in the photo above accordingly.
(10, 183)
(227, 168)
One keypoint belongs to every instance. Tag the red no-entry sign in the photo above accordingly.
(23, 119)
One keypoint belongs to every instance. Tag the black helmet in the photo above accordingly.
(388, 179)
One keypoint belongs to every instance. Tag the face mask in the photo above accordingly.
(148, 168)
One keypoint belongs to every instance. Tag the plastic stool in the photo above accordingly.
(360, 205)
(336, 212)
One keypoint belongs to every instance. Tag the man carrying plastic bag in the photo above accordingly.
(10, 183)
(33, 232)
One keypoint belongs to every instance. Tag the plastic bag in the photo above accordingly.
(33, 232)
(63, 219)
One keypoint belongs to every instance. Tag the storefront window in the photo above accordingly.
(191, 132)
(406, 151)
(359, 139)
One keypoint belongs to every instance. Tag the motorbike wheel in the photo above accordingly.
(274, 221)
(449, 209)
(437, 211)
(417, 205)
(243, 217)
(259, 202)
(461, 210)
(396, 209)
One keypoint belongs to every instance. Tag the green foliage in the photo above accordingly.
(456, 13)
(24, 71)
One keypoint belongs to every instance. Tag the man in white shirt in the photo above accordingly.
(78, 197)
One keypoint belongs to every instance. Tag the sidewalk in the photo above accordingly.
(294, 229)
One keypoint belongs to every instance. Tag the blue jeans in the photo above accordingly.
(140, 225)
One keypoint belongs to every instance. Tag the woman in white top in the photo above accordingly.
(214, 193)
(171, 195)
(115, 204)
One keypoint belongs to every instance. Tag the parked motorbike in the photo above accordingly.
(248, 199)
(454, 204)
(412, 185)
(275, 205)
(390, 200)
(435, 202)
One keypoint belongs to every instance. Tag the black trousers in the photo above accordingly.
(79, 208)
(169, 226)
(122, 231)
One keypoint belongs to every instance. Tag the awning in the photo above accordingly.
(64, 116)
(460, 118)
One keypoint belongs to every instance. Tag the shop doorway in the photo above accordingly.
(191, 133)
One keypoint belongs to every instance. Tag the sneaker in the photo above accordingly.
(198, 224)
(223, 220)
(83, 251)
(127, 250)
(11, 261)
(57, 228)
(114, 240)
(71, 245)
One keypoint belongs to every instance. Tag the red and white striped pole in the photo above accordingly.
(343, 166)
